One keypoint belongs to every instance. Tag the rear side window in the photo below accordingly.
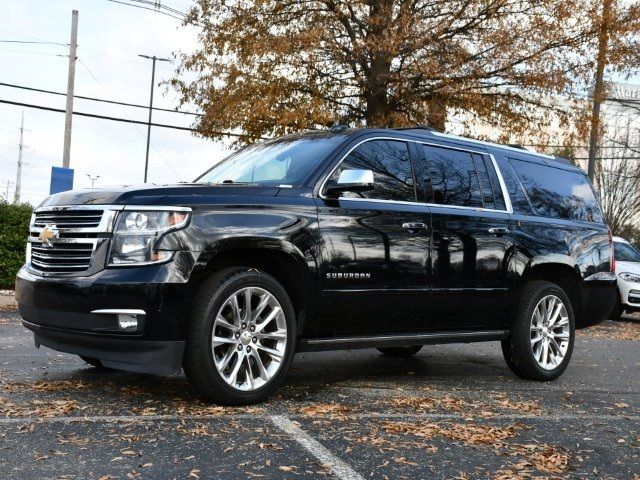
(557, 193)
(454, 178)
(389, 161)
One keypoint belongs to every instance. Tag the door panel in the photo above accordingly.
(471, 267)
(373, 267)
(375, 249)
(472, 241)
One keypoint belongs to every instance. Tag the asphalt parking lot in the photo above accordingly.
(452, 412)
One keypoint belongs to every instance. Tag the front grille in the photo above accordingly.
(61, 257)
(69, 218)
(70, 240)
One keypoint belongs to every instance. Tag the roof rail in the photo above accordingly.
(418, 127)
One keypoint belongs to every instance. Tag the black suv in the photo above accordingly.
(339, 239)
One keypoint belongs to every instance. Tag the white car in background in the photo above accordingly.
(627, 267)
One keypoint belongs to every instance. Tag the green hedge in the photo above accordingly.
(14, 229)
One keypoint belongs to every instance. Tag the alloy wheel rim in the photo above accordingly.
(550, 332)
(249, 338)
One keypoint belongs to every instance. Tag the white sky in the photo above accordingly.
(110, 37)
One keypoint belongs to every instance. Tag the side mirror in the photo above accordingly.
(350, 181)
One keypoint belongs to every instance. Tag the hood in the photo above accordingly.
(629, 267)
(149, 194)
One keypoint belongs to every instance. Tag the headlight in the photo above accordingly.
(137, 233)
(630, 277)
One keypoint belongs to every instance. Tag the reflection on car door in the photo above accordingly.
(375, 248)
(472, 243)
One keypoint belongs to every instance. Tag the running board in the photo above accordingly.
(398, 340)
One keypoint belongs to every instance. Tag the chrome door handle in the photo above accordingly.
(414, 226)
(498, 231)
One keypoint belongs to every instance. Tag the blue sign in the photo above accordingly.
(61, 180)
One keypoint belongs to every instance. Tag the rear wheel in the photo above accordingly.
(540, 342)
(241, 337)
(400, 352)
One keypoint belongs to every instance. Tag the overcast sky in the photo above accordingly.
(110, 37)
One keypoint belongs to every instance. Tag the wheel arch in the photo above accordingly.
(281, 259)
(563, 274)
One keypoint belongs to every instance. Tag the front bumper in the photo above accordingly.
(58, 311)
(629, 295)
(134, 355)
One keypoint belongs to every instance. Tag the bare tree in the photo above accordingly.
(618, 175)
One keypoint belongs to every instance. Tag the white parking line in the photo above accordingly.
(339, 468)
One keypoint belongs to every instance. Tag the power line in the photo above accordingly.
(31, 53)
(106, 117)
(125, 120)
(135, 126)
(94, 99)
(35, 42)
(156, 10)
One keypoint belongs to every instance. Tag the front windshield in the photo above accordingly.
(285, 161)
(625, 252)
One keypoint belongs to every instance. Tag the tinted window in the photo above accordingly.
(554, 192)
(454, 178)
(389, 161)
(514, 188)
(625, 252)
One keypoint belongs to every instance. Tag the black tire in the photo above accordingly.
(94, 362)
(618, 309)
(517, 349)
(400, 352)
(198, 363)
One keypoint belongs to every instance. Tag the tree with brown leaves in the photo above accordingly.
(269, 67)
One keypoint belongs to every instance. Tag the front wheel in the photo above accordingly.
(241, 337)
(541, 339)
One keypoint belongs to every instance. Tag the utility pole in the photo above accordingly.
(68, 117)
(93, 179)
(154, 59)
(599, 87)
(16, 195)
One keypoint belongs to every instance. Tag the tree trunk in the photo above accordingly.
(437, 114)
(378, 112)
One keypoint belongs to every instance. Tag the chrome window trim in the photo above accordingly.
(503, 187)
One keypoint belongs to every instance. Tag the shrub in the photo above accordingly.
(14, 229)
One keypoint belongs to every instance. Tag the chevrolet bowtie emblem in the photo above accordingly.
(47, 234)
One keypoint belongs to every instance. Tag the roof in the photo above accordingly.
(621, 240)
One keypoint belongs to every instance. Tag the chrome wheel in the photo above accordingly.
(550, 332)
(249, 338)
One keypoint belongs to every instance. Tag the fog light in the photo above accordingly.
(127, 322)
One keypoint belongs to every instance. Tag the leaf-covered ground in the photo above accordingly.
(452, 412)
